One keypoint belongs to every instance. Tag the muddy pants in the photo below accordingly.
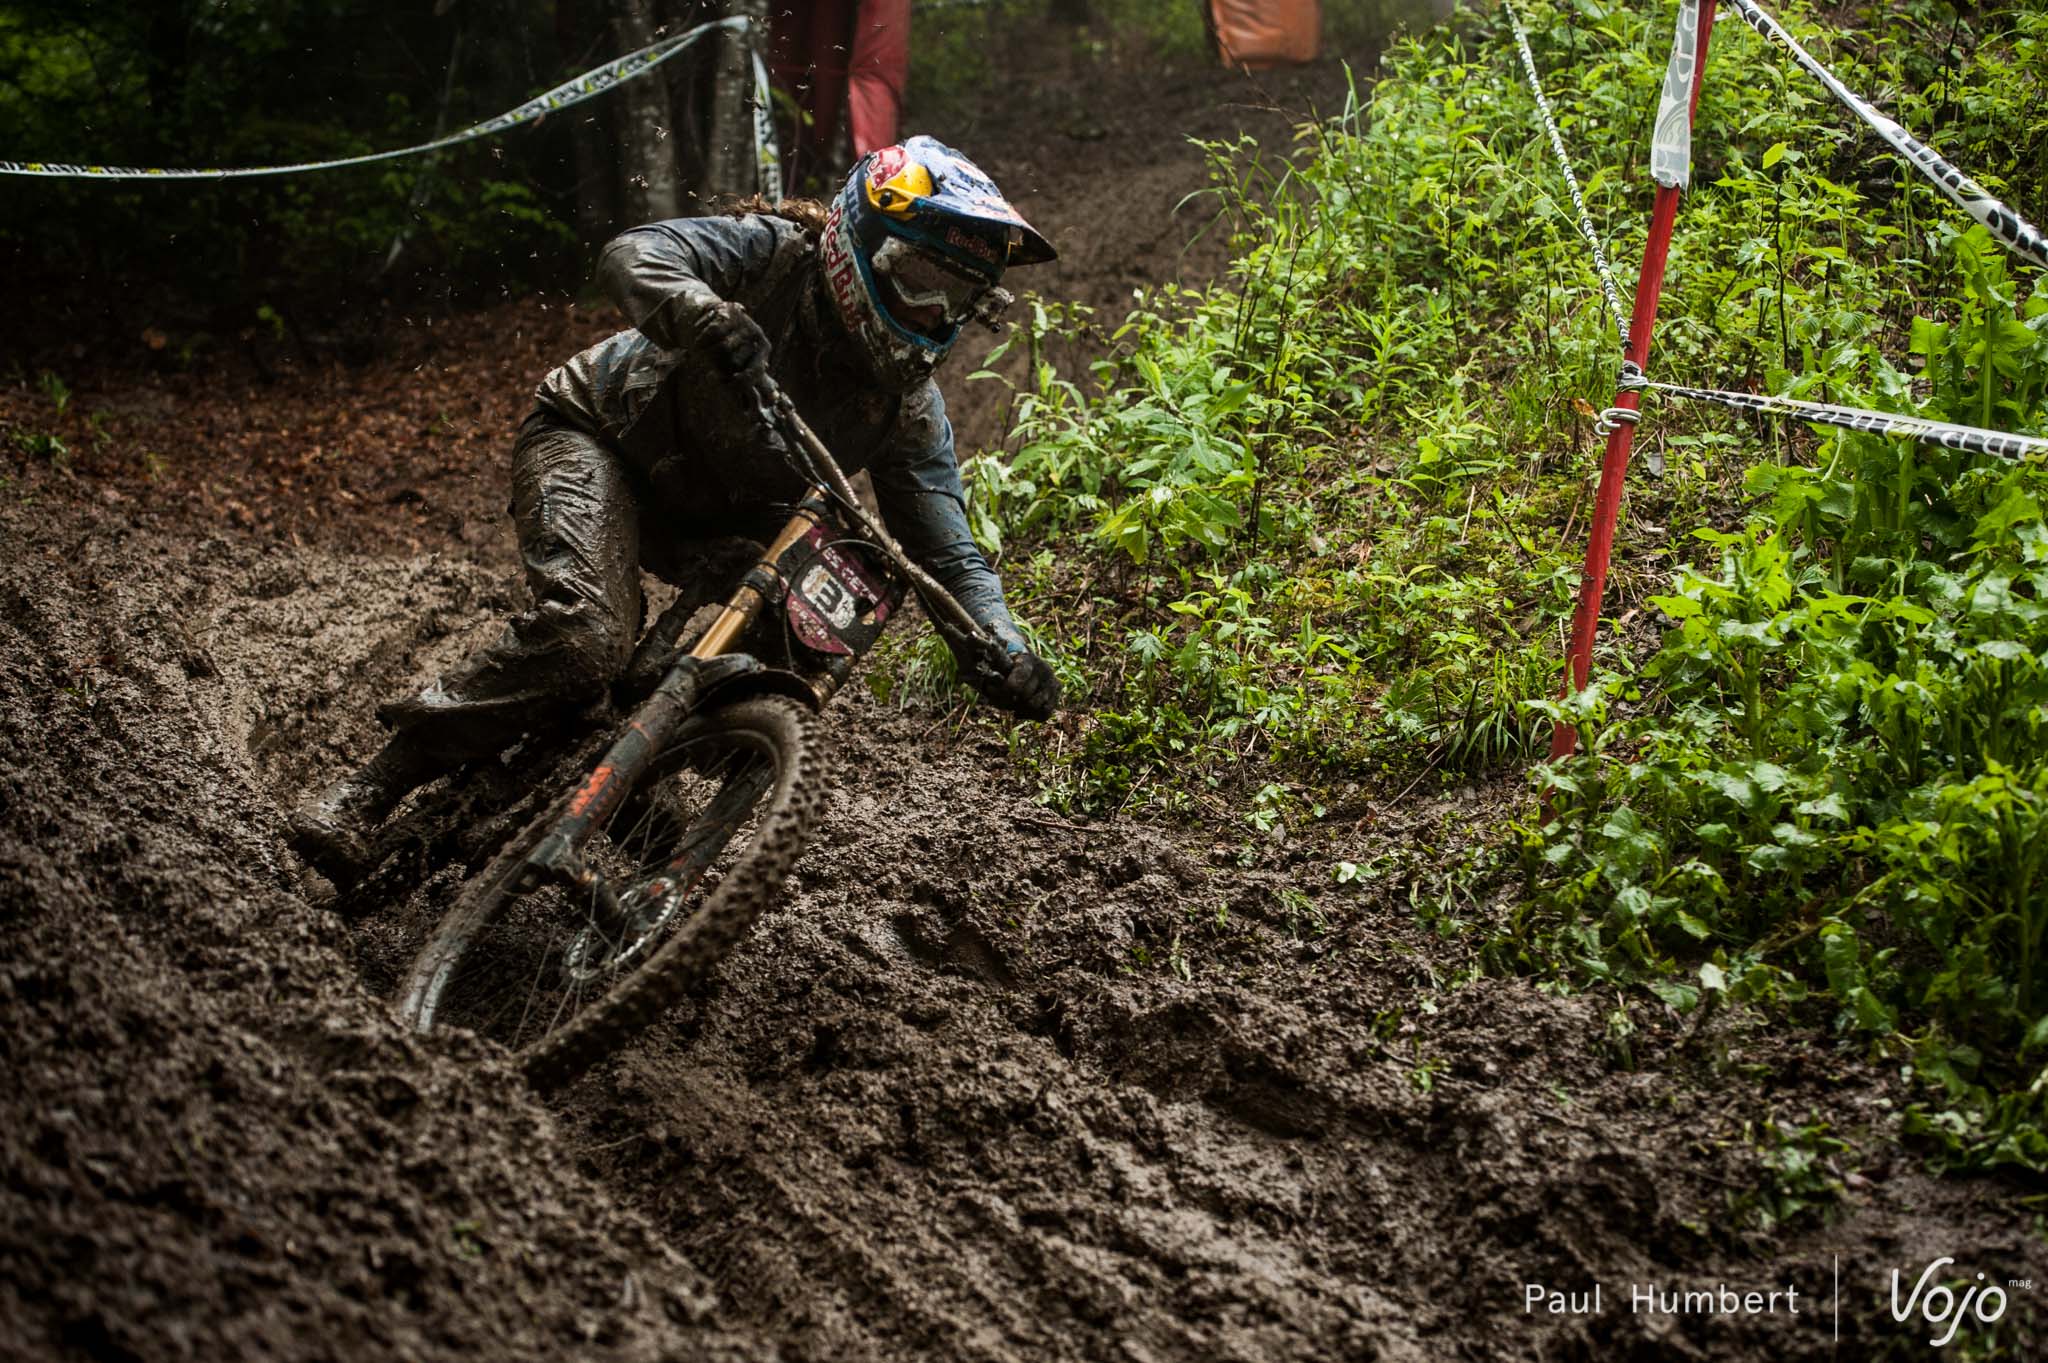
(578, 512)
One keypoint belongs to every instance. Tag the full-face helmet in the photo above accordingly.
(914, 246)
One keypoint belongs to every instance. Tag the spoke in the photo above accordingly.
(532, 988)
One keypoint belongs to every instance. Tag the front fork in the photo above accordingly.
(653, 724)
(655, 721)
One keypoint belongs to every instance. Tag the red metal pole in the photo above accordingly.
(1614, 465)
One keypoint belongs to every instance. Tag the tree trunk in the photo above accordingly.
(579, 25)
(423, 182)
(732, 165)
(649, 188)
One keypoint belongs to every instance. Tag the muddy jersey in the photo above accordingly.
(650, 395)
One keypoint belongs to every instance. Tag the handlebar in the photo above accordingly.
(945, 609)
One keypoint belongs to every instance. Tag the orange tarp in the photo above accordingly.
(1266, 32)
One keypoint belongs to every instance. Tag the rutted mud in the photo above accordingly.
(992, 1084)
(217, 1143)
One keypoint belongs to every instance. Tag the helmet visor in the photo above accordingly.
(923, 292)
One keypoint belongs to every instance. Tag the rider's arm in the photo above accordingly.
(917, 483)
(665, 275)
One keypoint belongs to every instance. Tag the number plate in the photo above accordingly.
(837, 604)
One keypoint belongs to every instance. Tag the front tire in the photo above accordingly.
(565, 973)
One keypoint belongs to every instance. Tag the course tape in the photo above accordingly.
(1571, 181)
(1967, 439)
(587, 86)
(2018, 235)
(767, 157)
(1671, 135)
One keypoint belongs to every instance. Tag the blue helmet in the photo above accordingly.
(913, 246)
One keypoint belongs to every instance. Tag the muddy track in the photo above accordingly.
(990, 1084)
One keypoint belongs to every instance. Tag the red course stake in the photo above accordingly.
(1614, 465)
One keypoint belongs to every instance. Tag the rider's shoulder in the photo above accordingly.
(750, 229)
(925, 400)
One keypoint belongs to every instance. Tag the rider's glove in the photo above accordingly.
(733, 340)
(737, 346)
(1004, 671)
(1015, 678)
(1028, 689)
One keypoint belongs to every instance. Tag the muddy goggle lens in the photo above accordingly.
(926, 287)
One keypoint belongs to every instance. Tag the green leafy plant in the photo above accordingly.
(1319, 525)
(43, 445)
(55, 390)
(1797, 1177)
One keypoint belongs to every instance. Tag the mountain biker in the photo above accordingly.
(654, 438)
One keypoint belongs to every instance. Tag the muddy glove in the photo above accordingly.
(733, 341)
(1005, 673)
(1028, 689)
(738, 349)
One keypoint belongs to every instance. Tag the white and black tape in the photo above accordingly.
(1671, 134)
(2014, 231)
(1571, 181)
(1967, 439)
(767, 156)
(587, 86)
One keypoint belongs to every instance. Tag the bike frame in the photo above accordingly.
(838, 577)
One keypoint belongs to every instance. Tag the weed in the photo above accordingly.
(1305, 921)
(1423, 1074)
(468, 1239)
(55, 390)
(43, 445)
(1796, 1175)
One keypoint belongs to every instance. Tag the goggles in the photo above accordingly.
(923, 291)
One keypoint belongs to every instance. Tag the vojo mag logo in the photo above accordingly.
(1944, 1312)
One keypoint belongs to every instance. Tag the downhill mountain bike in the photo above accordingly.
(620, 897)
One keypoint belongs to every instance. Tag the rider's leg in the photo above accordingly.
(703, 569)
(578, 526)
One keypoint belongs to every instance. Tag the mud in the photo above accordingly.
(992, 1084)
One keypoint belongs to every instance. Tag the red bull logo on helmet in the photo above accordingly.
(885, 164)
(980, 247)
(841, 273)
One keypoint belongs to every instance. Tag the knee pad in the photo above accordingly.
(591, 647)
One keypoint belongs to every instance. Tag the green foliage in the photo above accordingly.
(1843, 779)
(1323, 416)
(1328, 515)
(54, 389)
(184, 83)
(43, 445)
(1796, 1176)
(1836, 787)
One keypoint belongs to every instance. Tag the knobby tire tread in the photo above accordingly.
(681, 963)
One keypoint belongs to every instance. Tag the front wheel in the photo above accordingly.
(565, 968)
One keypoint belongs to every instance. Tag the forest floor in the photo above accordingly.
(990, 1084)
